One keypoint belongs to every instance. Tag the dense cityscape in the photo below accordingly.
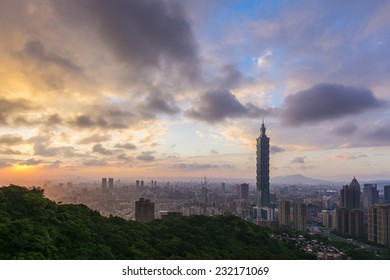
(195, 130)
(324, 209)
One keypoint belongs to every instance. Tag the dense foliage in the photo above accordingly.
(33, 227)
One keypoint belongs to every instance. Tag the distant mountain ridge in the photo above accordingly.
(300, 179)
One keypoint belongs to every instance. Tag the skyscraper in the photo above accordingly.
(144, 210)
(299, 216)
(284, 213)
(244, 191)
(387, 194)
(104, 184)
(370, 195)
(110, 183)
(262, 169)
(379, 224)
(349, 217)
(350, 195)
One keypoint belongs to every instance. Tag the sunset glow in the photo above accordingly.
(97, 88)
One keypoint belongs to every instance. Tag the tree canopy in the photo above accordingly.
(34, 227)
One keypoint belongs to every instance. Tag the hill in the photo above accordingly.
(34, 227)
(299, 179)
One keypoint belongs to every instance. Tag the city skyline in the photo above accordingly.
(131, 89)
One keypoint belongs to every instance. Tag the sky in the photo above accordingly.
(132, 89)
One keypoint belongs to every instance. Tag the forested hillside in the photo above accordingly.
(34, 227)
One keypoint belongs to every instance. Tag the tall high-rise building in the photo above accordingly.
(350, 195)
(144, 210)
(350, 217)
(387, 194)
(370, 195)
(327, 218)
(262, 169)
(104, 184)
(379, 224)
(110, 183)
(284, 213)
(299, 216)
(244, 191)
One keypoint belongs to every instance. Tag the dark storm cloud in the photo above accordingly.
(276, 149)
(146, 156)
(344, 129)
(127, 146)
(142, 33)
(196, 166)
(160, 103)
(98, 148)
(218, 105)
(36, 50)
(327, 101)
(10, 139)
(231, 77)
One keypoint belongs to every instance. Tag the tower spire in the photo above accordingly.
(262, 129)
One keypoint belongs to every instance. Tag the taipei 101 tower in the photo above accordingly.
(262, 169)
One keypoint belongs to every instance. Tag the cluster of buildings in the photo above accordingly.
(358, 215)
(349, 211)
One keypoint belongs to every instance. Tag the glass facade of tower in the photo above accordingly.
(262, 169)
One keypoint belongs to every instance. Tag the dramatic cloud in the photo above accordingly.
(125, 158)
(327, 101)
(10, 140)
(218, 105)
(98, 148)
(146, 156)
(106, 117)
(380, 133)
(30, 162)
(142, 33)
(298, 160)
(127, 146)
(344, 129)
(9, 151)
(42, 149)
(159, 103)
(276, 149)
(36, 50)
(8, 107)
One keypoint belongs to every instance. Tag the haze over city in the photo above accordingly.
(97, 88)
